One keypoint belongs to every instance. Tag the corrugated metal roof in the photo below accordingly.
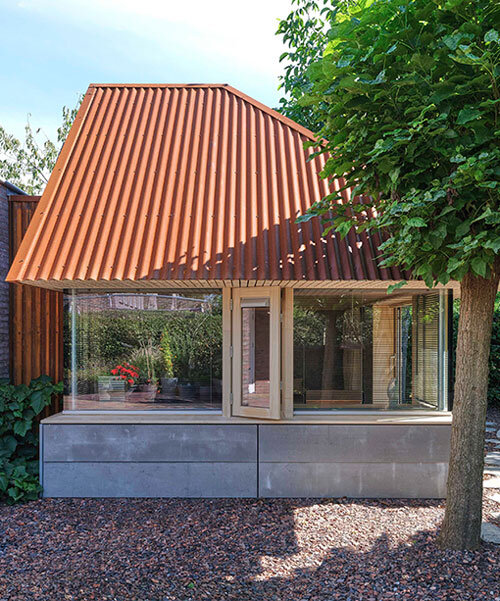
(185, 182)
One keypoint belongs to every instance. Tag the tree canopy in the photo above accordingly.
(408, 95)
(405, 97)
(28, 164)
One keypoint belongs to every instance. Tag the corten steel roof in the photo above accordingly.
(185, 182)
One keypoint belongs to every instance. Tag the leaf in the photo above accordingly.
(8, 445)
(306, 100)
(392, 287)
(491, 36)
(21, 427)
(38, 401)
(464, 59)
(394, 174)
(462, 229)
(466, 115)
(416, 222)
(345, 61)
(479, 266)
(493, 244)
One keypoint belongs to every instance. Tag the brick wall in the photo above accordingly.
(255, 357)
(4, 287)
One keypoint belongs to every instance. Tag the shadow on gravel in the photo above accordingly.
(178, 549)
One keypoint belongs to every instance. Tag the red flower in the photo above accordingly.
(134, 374)
(130, 381)
(123, 377)
(114, 372)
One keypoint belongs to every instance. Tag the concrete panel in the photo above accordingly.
(360, 444)
(150, 480)
(358, 480)
(141, 443)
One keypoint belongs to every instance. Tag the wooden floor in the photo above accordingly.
(138, 402)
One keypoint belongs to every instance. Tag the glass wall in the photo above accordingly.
(369, 350)
(136, 351)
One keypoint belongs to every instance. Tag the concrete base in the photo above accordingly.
(235, 460)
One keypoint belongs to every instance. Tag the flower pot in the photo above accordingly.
(205, 392)
(188, 391)
(111, 388)
(145, 393)
(169, 385)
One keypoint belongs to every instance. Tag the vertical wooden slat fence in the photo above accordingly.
(36, 314)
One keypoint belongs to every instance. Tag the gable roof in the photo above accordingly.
(185, 182)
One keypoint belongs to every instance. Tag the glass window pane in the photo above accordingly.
(426, 351)
(132, 351)
(366, 350)
(255, 357)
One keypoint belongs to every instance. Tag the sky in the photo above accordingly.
(50, 50)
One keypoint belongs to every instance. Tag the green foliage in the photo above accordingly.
(308, 327)
(304, 32)
(494, 372)
(19, 406)
(408, 92)
(29, 164)
(183, 344)
(196, 345)
(494, 367)
(166, 349)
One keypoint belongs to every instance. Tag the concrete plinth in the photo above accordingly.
(239, 460)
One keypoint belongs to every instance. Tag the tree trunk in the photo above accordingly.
(330, 379)
(461, 528)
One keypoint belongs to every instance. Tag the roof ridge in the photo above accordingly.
(260, 105)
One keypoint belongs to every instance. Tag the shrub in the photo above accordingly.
(494, 372)
(19, 406)
(167, 354)
(195, 341)
(494, 377)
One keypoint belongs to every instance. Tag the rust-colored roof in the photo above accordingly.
(185, 182)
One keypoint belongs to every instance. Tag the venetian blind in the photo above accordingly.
(426, 349)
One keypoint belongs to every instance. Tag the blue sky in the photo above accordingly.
(50, 50)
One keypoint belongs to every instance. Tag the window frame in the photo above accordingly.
(273, 412)
(443, 366)
(71, 296)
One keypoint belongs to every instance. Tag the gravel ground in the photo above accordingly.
(163, 550)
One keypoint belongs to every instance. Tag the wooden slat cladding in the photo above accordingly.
(36, 315)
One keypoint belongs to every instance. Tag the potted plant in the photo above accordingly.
(148, 356)
(115, 386)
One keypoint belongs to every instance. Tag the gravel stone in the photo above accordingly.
(493, 458)
(492, 483)
(240, 550)
(490, 533)
(293, 550)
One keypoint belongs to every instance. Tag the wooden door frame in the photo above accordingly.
(273, 293)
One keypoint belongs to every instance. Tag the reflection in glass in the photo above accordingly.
(132, 351)
(367, 350)
(255, 356)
